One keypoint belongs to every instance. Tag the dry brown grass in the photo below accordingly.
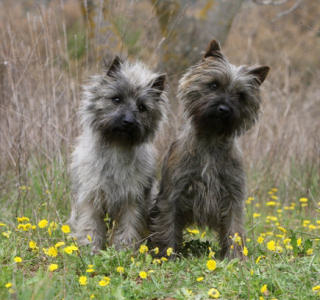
(42, 68)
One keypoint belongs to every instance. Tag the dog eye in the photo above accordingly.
(214, 85)
(242, 96)
(116, 100)
(142, 107)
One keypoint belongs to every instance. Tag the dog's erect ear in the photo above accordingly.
(260, 73)
(213, 50)
(159, 82)
(114, 67)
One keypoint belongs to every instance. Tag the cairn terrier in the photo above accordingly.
(113, 164)
(203, 181)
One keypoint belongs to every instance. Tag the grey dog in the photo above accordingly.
(203, 181)
(114, 161)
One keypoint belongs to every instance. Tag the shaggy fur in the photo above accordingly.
(113, 164)
(203, 181)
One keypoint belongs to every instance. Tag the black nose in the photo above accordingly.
(224, 109)
(128, 119)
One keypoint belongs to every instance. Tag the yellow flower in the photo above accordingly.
(164, 259)
(105, 281)
(53, 225)
(3, 225)
(70, 249)
(59, 244)
(310, 251)
(200, 279)
(156, 250)
(17, 259)
(90, 270)
(143, 249)
(65, 228)
(260, 239)
(303, 200)
(203, 234)
(53, 267)
(23, 219)
(256, 215)
(316, 288)
(264, 289)
(271, 245)
(156, 261)
(43, 223)
(6, 234)
(169, 251)
(245, 251)
(89, 238)
(274, 190)
(282, 229)
(143, 275)
(211, 264)
(92, 296)
(213, 293)
(259, 258)
(8, 285)
(52, 251)
(271, 203)
(82, 280)
(274, 197)
(120, 270)
(299, 242)
(33, 245)
(193, 231)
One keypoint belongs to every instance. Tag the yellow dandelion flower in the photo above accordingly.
(143, 249)
(260, 239)
(248, 240)
(23, 219)
(286, 241)
(8, 285)
(17, 259)
(299, 241)
(316, 288)
(92, 296)
(143, 275)
(312, 227)
(213, 293)
(169, 251)
(203, 234)
(282, 229)
(264, 289)
(274, 197)
(52, 251)
(271, 245)
(53, 267)
(193, 231)
(43, 223)
(156, 250)
(120, 269)
(3, 225)
(90, 270)
(132, 259)
(65, 229)
(310, 251)
(83, 280)
(259, 258)
(164, 259)
(89, 238)
(6, 234)
(256, 215)
(156, 261)
(59, 244)
(251, 272)
(200, 278)
(211, 264)
(245, 251)
(32, 245)
(303, 200)
(271, 203)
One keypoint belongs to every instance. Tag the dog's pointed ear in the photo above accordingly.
(260, 73)
(213, 50)
(114, 67)
(159, 82)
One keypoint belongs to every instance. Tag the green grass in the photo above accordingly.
(290, 272)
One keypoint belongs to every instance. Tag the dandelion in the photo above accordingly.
(316, 288)
(213, 293)
(83, 280)
(156, 250)
(256, 215)
(8, 285)
(264, 289)
(203, 234)
(92, 296)
(156, 261)
(312, 227)
(271, 245)
(23, 219)
(260, 239)
(52, 251)
(143, 249)
(65, 229)
(274, 197)
(6, 234)
(309, 251)
(259, 258)
(245, 251)
(59, 244)
(17, 259)
(143, 275)
(90, 270)
(169, 251)
(193, 231)
(120, 270)
(164, 259)
(53, 267)
(303, 200)
(211, 264)
(271, 203)
(282, 229)
(89, 238)
(33, 245)
(43, 223)
(200, 278)
(70, 249)
(3, 225)
(299, 242)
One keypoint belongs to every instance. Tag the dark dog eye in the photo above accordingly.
(242, 96)
(142, 107)
(214, 85)
(116, 100)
